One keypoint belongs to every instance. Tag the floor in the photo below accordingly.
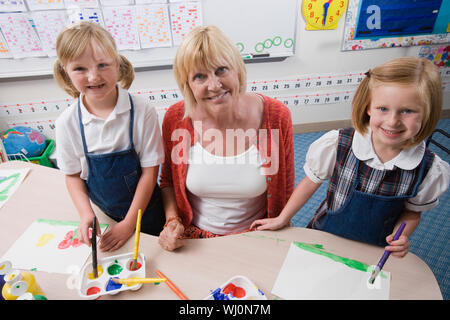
(430, 241)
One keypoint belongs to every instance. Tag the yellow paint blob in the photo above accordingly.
(99, 271)
(44, 239)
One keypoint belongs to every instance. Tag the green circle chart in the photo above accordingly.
(240, 46)
(259, 47)
(268, 43)
(288, 43)
(277, 41)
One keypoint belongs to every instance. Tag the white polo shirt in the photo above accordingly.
(108, 135)
(321, 158)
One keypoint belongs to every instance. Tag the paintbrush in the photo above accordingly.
(132, 281)
(136, 240)
(94, 247)
(386, 255)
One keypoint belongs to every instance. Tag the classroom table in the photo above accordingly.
(202, 264)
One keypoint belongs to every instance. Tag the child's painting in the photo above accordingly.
(51, 246)
(309, 272)
(10, 180)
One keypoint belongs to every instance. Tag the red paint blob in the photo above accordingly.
(237, 292)
(92, 290)
(138, 266)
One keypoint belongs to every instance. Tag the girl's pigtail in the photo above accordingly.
(126, 72)
(63, 80)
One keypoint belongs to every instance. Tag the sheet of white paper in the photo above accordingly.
(154, 26)
(49, 245)
(307, 275)
(70, 4)
(45, 4)
(22, 40)
(184, 17)
(12, 5)
(49, 24)
(10, 180)
(121, 23)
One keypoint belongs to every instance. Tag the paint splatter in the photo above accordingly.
(92, 291)
(235, 291)
(112, 285)
(219, 295)
(115, 268)
(44, 239)
(358, 265)
(70, 239)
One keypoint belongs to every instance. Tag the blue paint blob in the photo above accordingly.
(112, 285)
(2, 283)
(219, 295)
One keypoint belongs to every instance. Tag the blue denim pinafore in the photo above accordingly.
(112, 181)
(367, 217)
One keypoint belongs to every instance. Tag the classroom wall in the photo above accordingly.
(317, 52)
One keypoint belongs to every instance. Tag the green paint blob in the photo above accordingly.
(115, 269)
(361, 266)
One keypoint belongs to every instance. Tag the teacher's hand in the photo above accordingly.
(171, 237)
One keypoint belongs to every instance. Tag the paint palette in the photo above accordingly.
(237, 288)
(111, 267)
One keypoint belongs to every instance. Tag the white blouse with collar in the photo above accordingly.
(321, 158)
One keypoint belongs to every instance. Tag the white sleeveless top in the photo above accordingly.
(226, 193)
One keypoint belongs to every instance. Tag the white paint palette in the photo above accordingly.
(237, 288)
(111, 267)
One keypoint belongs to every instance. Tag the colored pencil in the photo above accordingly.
(136, 240)
(94, 247)
(139, 280)
(172, 286)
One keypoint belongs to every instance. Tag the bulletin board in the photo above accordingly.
(261, 29)
(374, 24)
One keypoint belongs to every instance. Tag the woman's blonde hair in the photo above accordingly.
(408, 71)
(205, 47)
(72, 42)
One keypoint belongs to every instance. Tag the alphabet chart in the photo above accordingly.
(154, 26)
(22, 39)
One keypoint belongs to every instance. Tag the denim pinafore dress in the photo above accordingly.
(112, 181)
(363, 216)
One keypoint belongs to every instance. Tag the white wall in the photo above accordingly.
(316, 52)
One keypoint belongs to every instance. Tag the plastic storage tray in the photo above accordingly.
(237, 288)
(108, 268)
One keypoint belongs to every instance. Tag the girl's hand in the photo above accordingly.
(171, 237)
(83, 230)
(117, 236)
(399, 248)
(269, 224)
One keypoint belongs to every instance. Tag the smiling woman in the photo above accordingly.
(243, 140)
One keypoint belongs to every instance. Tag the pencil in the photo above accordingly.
(139, 280)
(136, 240)
(94, 247)
(172, 286)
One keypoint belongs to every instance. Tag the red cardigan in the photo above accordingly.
(279, 174)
